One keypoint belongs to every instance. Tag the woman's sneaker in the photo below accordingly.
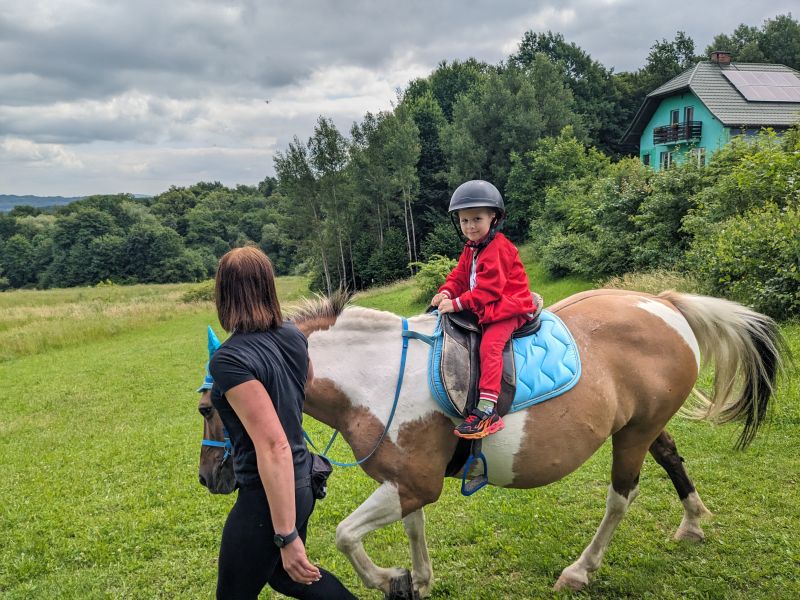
(478, 425)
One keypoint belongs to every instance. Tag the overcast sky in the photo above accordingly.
(133, 96)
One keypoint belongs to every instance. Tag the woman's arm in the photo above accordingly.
(254, 407)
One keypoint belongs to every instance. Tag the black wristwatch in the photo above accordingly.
(283, 540)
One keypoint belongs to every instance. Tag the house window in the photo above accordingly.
(666, 160)
(688, 114)
(674, 117)
(698, 155)
(646, 159)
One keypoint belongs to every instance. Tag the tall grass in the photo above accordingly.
(32, 322)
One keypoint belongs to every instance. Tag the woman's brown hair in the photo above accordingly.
(245, 292)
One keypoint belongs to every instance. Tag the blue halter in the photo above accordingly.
(226, 444)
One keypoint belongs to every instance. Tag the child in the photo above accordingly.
(489, 280)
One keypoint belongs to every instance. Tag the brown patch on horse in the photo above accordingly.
(319, 313)
(562, 433)
(415, 464)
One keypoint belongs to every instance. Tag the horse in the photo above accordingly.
(641, 355)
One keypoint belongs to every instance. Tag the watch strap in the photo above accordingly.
(283, 540)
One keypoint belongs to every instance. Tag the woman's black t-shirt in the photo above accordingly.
(278, 358)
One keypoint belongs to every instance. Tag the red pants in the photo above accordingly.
(495, 336)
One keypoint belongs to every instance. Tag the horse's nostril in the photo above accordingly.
(203, 481)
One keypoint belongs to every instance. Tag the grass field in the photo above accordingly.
(99, 441)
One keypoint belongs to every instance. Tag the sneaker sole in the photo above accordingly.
(494, 428)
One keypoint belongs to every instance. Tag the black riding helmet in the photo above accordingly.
(478, 193)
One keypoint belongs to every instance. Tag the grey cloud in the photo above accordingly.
(196, 73)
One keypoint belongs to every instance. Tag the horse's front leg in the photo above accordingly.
(422, 573)
(380, 509)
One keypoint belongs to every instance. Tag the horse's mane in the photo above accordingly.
(319, 312)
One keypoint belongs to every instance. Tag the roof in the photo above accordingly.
(723, 100)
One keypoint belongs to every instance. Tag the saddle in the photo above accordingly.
(459, 364)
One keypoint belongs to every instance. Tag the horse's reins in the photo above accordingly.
(407, 334)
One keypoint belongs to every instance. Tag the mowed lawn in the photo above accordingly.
(99, 442)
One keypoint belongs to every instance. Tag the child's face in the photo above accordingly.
(475, 222)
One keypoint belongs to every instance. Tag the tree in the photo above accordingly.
(592, 85)
(669, 58)
(302, 204)
(554, 161)
(448, 83)
(402, 154)
(508, 111)
(432, 164)
(18, 262)
(743, 44)
(172, 206)
(328, 151)
(778, 41)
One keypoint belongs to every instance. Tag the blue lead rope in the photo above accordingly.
(406, 336)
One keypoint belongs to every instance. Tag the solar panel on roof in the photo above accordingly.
(765, 86)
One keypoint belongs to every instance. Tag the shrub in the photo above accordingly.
(754, 258)
(202, 292)
(431, 275)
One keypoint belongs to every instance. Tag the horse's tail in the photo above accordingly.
(747, 349)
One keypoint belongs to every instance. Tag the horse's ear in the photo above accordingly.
(213, 342)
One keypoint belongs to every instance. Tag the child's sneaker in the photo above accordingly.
(478, 425)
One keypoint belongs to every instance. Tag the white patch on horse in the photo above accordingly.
(501, 448)
(361, 354)
(675, 320)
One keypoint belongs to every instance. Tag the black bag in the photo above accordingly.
(320, 471)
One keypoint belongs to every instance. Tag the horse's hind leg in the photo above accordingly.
(625, 468)
(666, 454)
(380, 509)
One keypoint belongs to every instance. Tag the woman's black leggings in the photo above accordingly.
(249, 558)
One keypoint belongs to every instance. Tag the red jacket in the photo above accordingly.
(501, 287)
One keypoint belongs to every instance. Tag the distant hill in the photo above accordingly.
(7, 201)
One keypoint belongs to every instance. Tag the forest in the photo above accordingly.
(368, 206)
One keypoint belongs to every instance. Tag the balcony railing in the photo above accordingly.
(679, 132)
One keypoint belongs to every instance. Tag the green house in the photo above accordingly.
(696, 113)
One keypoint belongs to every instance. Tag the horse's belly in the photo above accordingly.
(536, 448)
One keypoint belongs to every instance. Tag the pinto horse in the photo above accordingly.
(640, 357)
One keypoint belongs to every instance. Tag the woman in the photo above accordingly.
(260, 374)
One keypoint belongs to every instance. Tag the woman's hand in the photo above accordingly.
(446, 306)
(436, 300)
(296, 563)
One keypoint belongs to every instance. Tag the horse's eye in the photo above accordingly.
(206, 411)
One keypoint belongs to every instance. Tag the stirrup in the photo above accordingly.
(473, 485)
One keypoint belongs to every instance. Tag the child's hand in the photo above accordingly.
(437, 299)
(446, 306)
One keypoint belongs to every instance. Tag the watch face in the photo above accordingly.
(279, 542)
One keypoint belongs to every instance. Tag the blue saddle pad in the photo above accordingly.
(546, 363)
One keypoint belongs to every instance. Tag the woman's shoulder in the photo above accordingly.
(290, 332)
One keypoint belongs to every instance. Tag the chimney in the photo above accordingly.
(721, 57)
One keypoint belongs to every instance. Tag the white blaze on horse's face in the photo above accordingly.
(675, 320)
(361, 352)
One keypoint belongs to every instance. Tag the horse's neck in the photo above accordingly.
(356, 366)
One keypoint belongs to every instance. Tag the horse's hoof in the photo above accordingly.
(690, 534)
(571, 581)
(402, 588)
